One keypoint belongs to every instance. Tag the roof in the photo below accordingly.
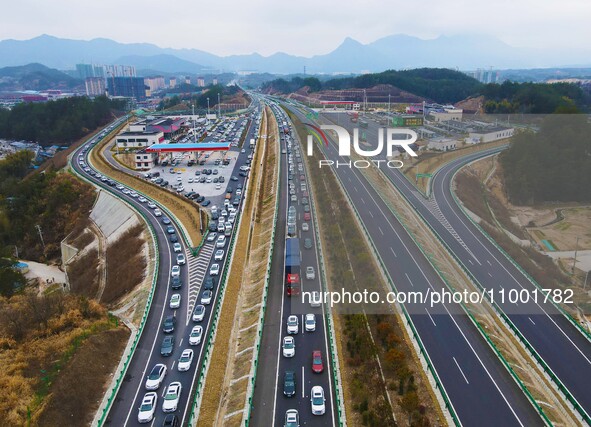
(200, 146)
(156, 132)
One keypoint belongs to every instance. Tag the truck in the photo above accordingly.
(292, 266)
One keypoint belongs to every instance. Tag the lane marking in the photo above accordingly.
(461, 372)
(429, 314)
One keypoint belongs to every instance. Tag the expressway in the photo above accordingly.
(269, 402)
(481, 391)
(562, 346)
(124, 409)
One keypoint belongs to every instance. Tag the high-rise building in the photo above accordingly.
(188, 80)
(172, 82)
(155, 83)
(200, 82)
(119, 71)
(130, 87)
(95, 86)
(90, 70)
(215, 82)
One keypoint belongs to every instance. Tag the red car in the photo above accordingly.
(307, 216)
(302, 178)
(317, 365)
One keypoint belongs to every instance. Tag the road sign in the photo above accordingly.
(424, 175)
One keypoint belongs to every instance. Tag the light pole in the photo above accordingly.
(194, 134)
(388, 103)
(219, 106)
(208, 106)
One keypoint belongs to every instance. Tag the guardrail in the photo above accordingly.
(215, 317)
(497, 309)
(140, 330)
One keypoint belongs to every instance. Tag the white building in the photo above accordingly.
(447, 114)
(489, 135)
(144, 160)
(138, 139)
(442, 144)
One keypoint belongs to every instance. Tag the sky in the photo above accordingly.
(303, 27)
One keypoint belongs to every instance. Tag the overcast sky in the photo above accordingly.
(303, 27)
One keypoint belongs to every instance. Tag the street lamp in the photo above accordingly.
(219, 106)
(208, 106)
(388, 103)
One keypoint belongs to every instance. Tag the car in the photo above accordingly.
(177, 247)
(157, 212)
(190, 180)
(292, 325)
(165, 220)
(200, 199)
(198, 313)
(220, 242)
(294, 198)
(315, 299)
(243, 151)
(310, 273)
(205, 203)
(167, 346)
(310, 322)
(219, 255)
(307, 216)
(317, 400)
(168, 324)
(234, 178)
(284, 151)
(172, 397)
(176, 282)
(317, 365)
(214, 270)
(170, 229)
(289, 383)
(292, 418)
(208, 180)
(215, 172)
(206, 297)
(142, 199)
(156, 376)
(185, 360)
(305, 226)
(243, 173)
(291, 230)
(211, 237)
(173, 238)
(221, 226)
(180, 259)
(175, 301)
(196, 335)
(171, 420)
(306, 208)
(147, 408)
(288, 346)
(175, 271)
(209, 283)
(305, 201)
(307, 243)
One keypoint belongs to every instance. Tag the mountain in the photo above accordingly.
(392, 52)
(35, 77)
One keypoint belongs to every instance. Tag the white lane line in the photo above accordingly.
(394, 253)
(172, 367)
(408, 278)
(489, 263)
(363, 201)
(531, 320)
(380, 230)
(462, 372)
(470, 261)
(490, 274)
(370, 214)
(429, 314)
(303, 384)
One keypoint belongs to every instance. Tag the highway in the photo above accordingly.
(562, 346)
(269, 402)
(125, 407)
(481, 390)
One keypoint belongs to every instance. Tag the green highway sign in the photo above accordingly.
(424, 175)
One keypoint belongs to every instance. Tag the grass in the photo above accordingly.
(82, 274)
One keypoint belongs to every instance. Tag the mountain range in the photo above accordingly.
(391, 52)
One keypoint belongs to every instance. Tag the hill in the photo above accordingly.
(35, 77)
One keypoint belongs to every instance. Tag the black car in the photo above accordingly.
(222, 179)
(176, 282)
(209, 283)
(168, 324)
(197, 173)
(239, 185)
(167, 346)
(236, 201)
(215, 215)
(234, 178)
(171, 420)
(289, 383)
(173, 238)
(200, 199)
(216, 180)
(308, 243)
(213, 226)
(229, 189)
(205, 203)
(242, 173)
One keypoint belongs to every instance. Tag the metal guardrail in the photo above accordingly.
(499, 311)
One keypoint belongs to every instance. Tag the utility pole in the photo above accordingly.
(207, 110)
(575, 260)
(219, 106)
(38, 227)
(388, 103)
(194, 134)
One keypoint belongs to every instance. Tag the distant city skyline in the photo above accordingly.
(310, 28)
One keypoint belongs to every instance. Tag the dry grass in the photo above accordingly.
(125, 264)
(82, 274)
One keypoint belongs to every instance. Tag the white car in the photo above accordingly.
(220, 242)
(315, 299)
(175, 301)
(147, 408)
(310, 273)
(310, 322)
(196, 334)
(180, 259)
(175, 271)
(157, 212)
(206, 297)
(152, 205)
(292, 325)
(142, 199)
(172, 397)
(198, 313)
(156, 377)
(288, 346)
(185, 360)
(214, 270)
(317, 400)
(177, 247)
(305, 226)
(212, 236)
(219, 255)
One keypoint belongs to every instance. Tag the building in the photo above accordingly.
(86, 71)
(446, 114)
(215, 82)
(145, 160)
(407, 120)
(139, 139)
(188, 80)
(169, 126)
(172, 83)
(442, 144)
(155, 83)
(129, 87)
(95, 86)
(489, 134)
(200, 82)
(119, 71)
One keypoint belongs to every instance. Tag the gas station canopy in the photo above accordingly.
(201, 146)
